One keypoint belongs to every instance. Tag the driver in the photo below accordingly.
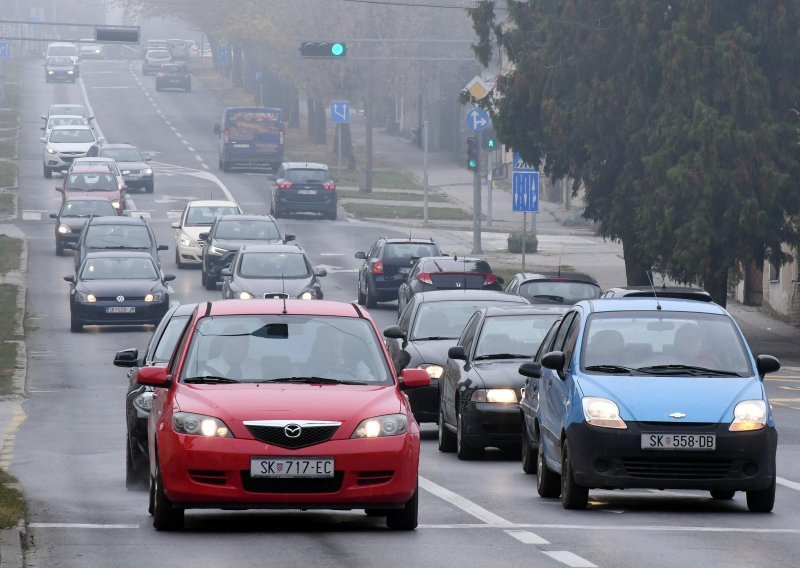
(334, 356)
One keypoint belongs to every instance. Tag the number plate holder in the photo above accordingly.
(281, 467)
(121, 309)
(672, 441)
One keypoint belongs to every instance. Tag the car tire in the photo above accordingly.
(332, 214)
(59, 249)
(150, 187)
(722, 494)
(48, 173)
(371, 300)
(133, 476)
(447, 441)
(527, 451)
(548, 483)
(573, 495)
(465, 450)
(407, 518)
(166, 516)
(210, 283)
(75, 326)
(226, 167)
(362, 298)
(763, 500)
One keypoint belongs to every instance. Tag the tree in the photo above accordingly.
(675, 117)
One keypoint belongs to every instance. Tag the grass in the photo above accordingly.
(391, 196)
(381, 179)
(8, 311)
(12, 506)
(378, 211)
(8, 148)
(10, 249)
(6, 203)
(8, 363)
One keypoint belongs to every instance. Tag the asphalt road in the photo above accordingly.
(69, 452)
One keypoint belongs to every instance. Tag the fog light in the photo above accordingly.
(750, 468)
(602, 466)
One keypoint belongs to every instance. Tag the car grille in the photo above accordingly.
(114, 298)
(292, 485)
(134, 172)
(275, 435)
(677, 469)
(276, 296)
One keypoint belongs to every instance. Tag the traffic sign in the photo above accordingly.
(477, 119)
(5, 49)
(340, 112)
(524, 186)
(223, 57)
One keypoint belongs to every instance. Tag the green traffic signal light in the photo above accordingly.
(337, 49)
(490, 143)
(323, 49)
(473, 164)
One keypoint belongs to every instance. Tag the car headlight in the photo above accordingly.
(144, 401)
(217, 251)
(602, 412)
(154, 297)
(70, 72)
(379, 426)
(434, 371)
(116, 204)
(749, 415)
(85, 298)
(51, 72)
(148, 172)
(245, 296)
(503, 396)
(126, 172)
(200, 425)
(64, 229)
(186, 241)
(307, 295)
(50, 150)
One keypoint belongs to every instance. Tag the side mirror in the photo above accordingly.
(54, 215)
(361, 255)
(319, 271)
(288, 237)
(153, 376)
(394, 332)
(203, 236)
(127, 358)
(43, 139)
(225, 272)
(501, 280)
(148, 158)
(69, 278)
(168, 277)
(767, 364)
(44, 117)
(532, 370)
(414, 378)
(216, 127)
(92, 118)
(457, 352)
(175, 225)
(100, 140)
(553, 360)
(162, 247)
(42, 128)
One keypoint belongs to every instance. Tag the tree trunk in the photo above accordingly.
(347, 144)
(636, 266)
(294, 115)
(716, 283)
(320, 135)
(309, 117)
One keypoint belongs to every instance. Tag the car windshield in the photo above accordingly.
(445, 319)
(307, 176)
(122, 154)
(87, 208)
(410, 250)
(166, 345)
(202, 215)
(65, 121)
(76, 110)
(60, 61)
(247, 230)
(68, 50)
(513, 336)
(274, 265)
(558, 292)
(286, 348)
(92, 182)
(72, 136)
(109, 268)
(664, 343)
(117, 236)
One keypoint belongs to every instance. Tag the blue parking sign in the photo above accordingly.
(525, 191)
(5, 49)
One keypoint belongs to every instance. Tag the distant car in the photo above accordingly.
(60, 68)
(63, 120)
(62, 144)
(154, 59)
(197, 217)
(386, 265)
(480, 389)
(431, 323)
(656, 395)
(303, 187)
(72, 216)
(228, 234)
(136, 171)
(88, 49)
(556, 287)
(682, 292)
(154, 44)
(93, 181)
(173, 76)
(271, 271)
(139, 398)
(446, 273)
(178, 48)
(64, 109)
(63, 49)
(117, 288)
(250, 137)
(116, 234)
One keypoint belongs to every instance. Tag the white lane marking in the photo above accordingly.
(129, 201)
(78, 526)
(526, 537)
(174, 129)
(89, 108)
(786, 483)
(113, 87)
(206, 166)
(462, 503)
(31, 215)
(168, 123)
(179, 135)
(198, 157)
(623, 528)
(188, 147)
(569, 559)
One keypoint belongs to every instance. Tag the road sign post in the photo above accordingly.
(340, 114)
(477, 121)
(525, 196)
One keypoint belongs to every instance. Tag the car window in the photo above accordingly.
(405, 318)
(76, 110)
(87, 208)
(246, 230)
(468, 335)
(445, 319)
(66, 121)
(518, 335)
(122, 154)
(205, 215)
(558, 343)
(558, 292)
(59, 61)
(307, 176)
(456, 265)
(410, 250)
(68, 135)
(118, 268)
(547, 342)
(248, 124)
(274, 265)
(169, 339)
(92, 182)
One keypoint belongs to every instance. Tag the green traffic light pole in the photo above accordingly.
(476, 202)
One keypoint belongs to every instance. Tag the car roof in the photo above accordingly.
(118, 254)
(118, 145)
(184, 309)
(65, 116)
(651, 305)
(263, 247)
(521, 310)
(71, 197)
(66, 105)
(304, 166)
(557, 276)
(686, 292)
(445, 295)
(118, 220)
(90, 169)
(413, 241)
(211, 203)
(86, 159)
(289, 307)
(230, 217)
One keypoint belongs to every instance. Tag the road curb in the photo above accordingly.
(12, 546)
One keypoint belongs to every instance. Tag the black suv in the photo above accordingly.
(116, 233)
(174, 76)
(386, 265)
(304, 187)
(132, 163)
(228, 234)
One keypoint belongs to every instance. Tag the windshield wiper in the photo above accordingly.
(548, 298)
(613, 369)
(312, 381)
(433, 338)
(502, 356)
(209, 379)
(683, 369)
(119, 247)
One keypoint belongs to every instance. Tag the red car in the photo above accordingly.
(282, 404)
(93, 181)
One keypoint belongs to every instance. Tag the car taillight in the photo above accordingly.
(284, 185)
(280, 136)
(377, 268)
(489, 279)
(425, 278)
(226, 136)
(330, 186)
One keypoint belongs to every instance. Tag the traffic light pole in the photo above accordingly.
(490, 185)
(476, 205)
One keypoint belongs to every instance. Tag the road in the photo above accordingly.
(69, 451)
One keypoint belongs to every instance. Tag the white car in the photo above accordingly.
(63, 144)
(67, 110)
(63, 120)
(98, 161)
(197, 217)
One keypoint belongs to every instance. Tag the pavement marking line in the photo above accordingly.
(78, 526)
(188, 147)
(173, 128)
(569, 559)
(626, 528)
(179, 135)
(526, 537)
(462, 503)
(786, 483)
(198, 157)
(206, 166)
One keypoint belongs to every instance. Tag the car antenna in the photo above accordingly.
(655, 295)
(559, 266)
(283, 294)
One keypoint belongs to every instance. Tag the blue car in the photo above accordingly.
(649, 393)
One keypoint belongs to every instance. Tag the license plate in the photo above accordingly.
(404, 270)
(307, 191)
(176, 81)
(291, 467)
(697, 442)
(241, 145)
(121, 310)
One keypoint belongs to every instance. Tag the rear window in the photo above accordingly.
(122, 154)
(92, 182)
(410, 250)
(248, 124)
(169, 339)
(307, 176)
(247, 230)
(455, 265)
(558, 292)
(76, 110)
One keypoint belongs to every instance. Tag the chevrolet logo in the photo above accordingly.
(678, 415)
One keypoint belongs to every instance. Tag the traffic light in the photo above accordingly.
(116, 34)
(322, 49)
(490, 139)
(472, 153)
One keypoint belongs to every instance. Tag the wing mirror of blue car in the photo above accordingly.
(361, 255)
(69, 278)
(532, 370)
(457, 352)
(127, 358)
(767, 364)
(153, 377)
(553, 360)
(394, 332)
(163, 247)
(414, 378)
(168, 277)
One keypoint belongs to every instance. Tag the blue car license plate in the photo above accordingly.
(696, 442)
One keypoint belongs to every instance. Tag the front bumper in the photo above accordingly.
(95, 313)
(138, 181)
(190, 254)
(59, 161)
(613, 459)
(491, 424)
(61, 76)
(386, 288)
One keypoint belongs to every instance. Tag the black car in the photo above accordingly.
(72, 216)
(116, 233)
(271, 271)
(117, 288)
(60, 68)
(174, 76)
(431, 323)
(480, 389)
(228, 234)
(446, 273)
(663, 291)
(303, 187)
(139, 398)
(557, 287)
(136, 171)
(386, 265)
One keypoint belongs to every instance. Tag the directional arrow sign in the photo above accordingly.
(477, 120)
(340, 112)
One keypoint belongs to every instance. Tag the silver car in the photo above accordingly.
(63, 144)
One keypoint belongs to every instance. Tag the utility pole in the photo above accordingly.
(476, 204)
(425, 169)
(367, 188)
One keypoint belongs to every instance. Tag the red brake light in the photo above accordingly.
(283, 184)
(425, 277)
(330, 186)
(377, 268)
(489, 279)
(280, 134)
(226, 136)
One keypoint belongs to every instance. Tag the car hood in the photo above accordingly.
(116, 287)
(258, 286)
(348, 404)
(110, 194)
(429, 351)
(64, 67)
(653, 399)
(501, 373)
(74, 223)
(70, 146)
(194, 231)
(233, 244)
(132, 165)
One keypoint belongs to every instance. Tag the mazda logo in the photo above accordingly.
(120, 299)
(292, 430)
(677, 415)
